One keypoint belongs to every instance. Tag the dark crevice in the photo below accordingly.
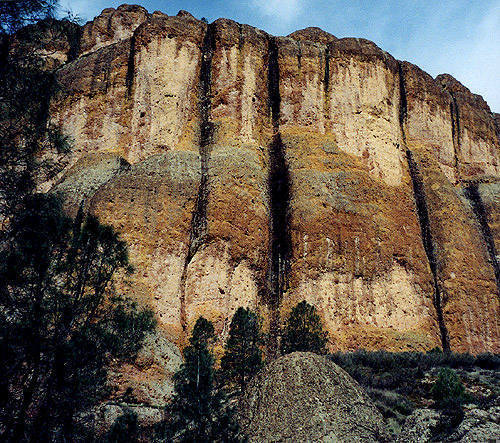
(75, 38)
(403, 103)
(273, 78)
(326, 86)
(279, 182)
(472, 193)
(423, 213)
(456, 117)
(4, 50)
(198, 231)
(423, 217)
(279, 192)
(299, 54)
(129, 79)
(240, 36)
(455, 128)
(453, 124)
(326, 78)
(101, 73)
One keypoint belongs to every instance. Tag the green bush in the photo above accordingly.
(448, 390)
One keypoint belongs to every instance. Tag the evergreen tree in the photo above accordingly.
(60, 319)
(448, 390)
(243, 356)
(304, 331)
(17, 13)
(199, 411)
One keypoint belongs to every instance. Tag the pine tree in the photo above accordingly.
(199, 411)
(17, 13)
(304, 331)
(243, 356)
(60, 319)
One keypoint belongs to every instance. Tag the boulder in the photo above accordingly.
(305, 397)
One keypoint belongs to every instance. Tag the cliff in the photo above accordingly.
(250, 170)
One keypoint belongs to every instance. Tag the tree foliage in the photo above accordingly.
(61, 321)
(31, 149)
(303, 331)
(243, 356)
(199, 410)
(448, 393)
(60, 318)
(448, 390)
(15, 14)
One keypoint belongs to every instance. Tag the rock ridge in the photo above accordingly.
(250, 170)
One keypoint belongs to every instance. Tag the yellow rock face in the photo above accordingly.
(248, 170)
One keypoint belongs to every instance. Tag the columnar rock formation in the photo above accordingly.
(250, 170)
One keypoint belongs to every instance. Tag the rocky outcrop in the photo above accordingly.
(250, 170)
(51, 41)
(420, 426)
(479, 425)
(304, 397)
(147, 380)
(111, 26)
(367, 274)
(476, 133)
(424, 425)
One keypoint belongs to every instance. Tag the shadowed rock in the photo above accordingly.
(305, 397)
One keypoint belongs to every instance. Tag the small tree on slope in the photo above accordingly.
(304, 331)
(243, 356)
(198, 411)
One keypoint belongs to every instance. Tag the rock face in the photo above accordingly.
(304, 397)
(250, 170)
(477, 425)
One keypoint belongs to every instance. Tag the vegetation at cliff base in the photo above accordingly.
(61, 318)
(61, 321)
(304, 331)
(199, 410)
(448, 390)
(243, 355)
(399, 383)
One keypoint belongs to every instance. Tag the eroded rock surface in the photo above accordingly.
(305, 397)
(250, 170)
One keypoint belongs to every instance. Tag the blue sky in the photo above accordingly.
(459, 37)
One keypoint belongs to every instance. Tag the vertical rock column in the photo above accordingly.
(472, 193)
(229, 269)
(476, 132)
(356, 249)
(152, 204)
(465, 279)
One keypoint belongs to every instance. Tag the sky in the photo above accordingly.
(458, 37)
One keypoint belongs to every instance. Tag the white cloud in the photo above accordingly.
(283, 10)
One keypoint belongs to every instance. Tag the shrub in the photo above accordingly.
(448, 390)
